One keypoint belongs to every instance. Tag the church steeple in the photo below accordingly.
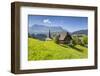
(49, 34)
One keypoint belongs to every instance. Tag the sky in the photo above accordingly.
(69, 23)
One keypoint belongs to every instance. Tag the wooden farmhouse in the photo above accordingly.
(65, 38)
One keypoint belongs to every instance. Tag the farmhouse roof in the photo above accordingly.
(62, 35)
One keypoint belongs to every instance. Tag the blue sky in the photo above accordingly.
(69, 23)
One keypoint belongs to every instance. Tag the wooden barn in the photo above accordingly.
(64, 38)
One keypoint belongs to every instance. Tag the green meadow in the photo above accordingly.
(49, 50)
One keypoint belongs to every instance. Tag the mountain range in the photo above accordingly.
(85, 32)
(42, 29)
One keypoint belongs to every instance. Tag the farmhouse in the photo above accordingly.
(65, 38)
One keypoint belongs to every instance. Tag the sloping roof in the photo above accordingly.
(62, 35)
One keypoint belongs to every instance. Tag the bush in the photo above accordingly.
(73, 42)
(29, 35)
(85, 40)
(77, 41)
(56, 39)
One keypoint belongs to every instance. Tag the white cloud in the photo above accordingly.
(46, 21)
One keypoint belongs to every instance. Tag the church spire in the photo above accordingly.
(49, 34)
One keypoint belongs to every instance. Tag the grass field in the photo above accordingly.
(49, 50)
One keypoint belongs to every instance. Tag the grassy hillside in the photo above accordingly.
(49, 50)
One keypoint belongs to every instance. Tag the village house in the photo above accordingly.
(64, 38)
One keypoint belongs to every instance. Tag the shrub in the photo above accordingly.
(75, 40)
(29, 35)
(85, 40)
(56, 39)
